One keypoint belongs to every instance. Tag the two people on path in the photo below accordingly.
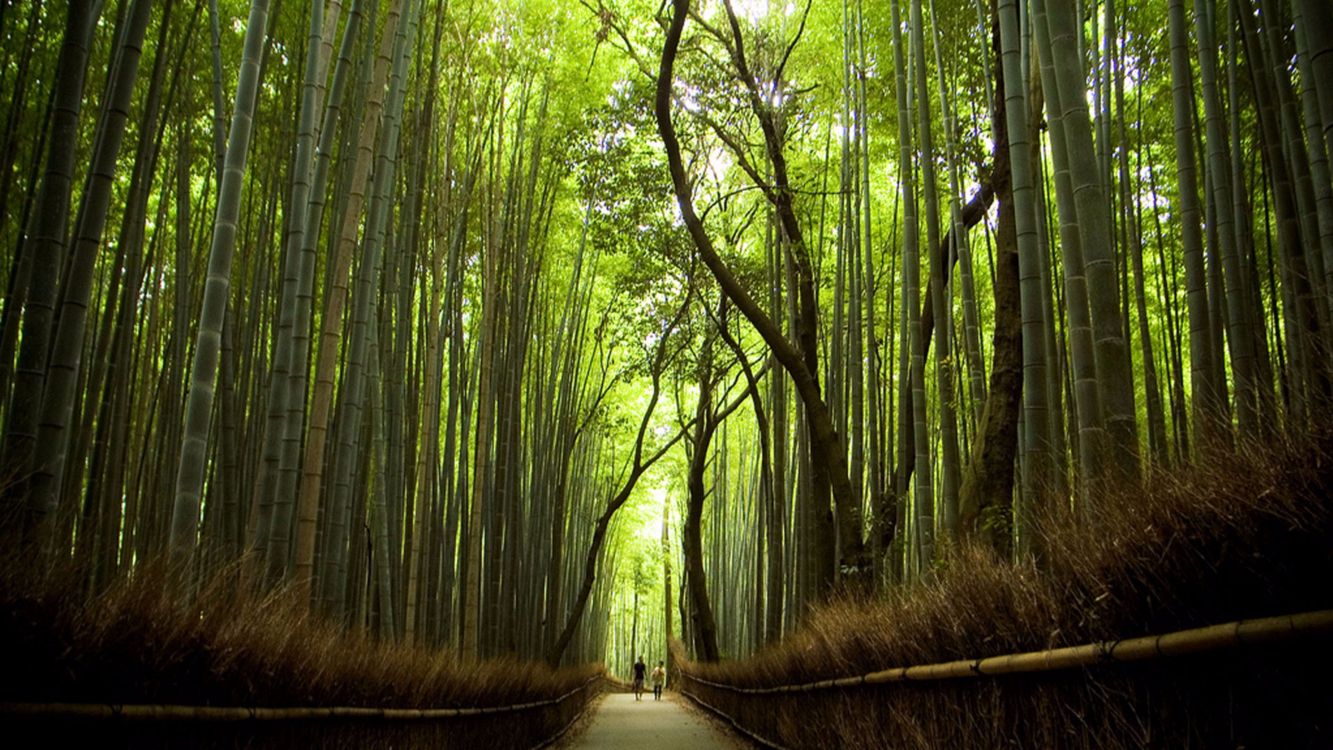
(659, 678)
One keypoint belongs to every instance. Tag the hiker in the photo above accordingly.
(659, 677)
(639, 669)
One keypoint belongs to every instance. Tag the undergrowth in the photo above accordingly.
(1249, 535)
(141, 642)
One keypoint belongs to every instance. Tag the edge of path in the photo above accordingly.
(574, 731)
(724, 727)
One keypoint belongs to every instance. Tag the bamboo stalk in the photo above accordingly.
(145, 712)
(1145, 648)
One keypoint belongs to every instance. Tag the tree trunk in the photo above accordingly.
(827, 450)
(204, 367)
(312, 466)
(947, 520)
(1018, 365)
(67, 344)
(1114, 376)
(47, 247)
(704, 624)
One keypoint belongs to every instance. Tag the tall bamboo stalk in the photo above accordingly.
(204, 366)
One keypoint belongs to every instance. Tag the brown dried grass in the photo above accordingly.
(137, 642)
(1249, 535)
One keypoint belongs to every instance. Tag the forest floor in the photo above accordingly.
(618, 722)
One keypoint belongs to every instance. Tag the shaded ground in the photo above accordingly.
(620, 722)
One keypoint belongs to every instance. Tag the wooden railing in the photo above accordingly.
(1192, 641)
(147, 713)
(154, 712)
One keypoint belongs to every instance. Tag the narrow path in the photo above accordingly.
(621, 722)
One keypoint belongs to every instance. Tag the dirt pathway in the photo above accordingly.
(620, 722)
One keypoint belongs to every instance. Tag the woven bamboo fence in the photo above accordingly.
(528, 724)
(1140, 684)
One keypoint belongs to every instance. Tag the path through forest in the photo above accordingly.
(621, 722)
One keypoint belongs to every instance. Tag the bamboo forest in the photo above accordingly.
(695, 373)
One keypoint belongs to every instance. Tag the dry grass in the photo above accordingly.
(138, 643)
(1249, 536)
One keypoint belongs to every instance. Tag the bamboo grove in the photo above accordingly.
(558, 328)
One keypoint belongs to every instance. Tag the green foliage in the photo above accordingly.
(530, 167)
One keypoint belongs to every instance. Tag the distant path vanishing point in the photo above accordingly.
(621, 722)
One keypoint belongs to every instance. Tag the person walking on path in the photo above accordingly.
(639, 669)
(659, 677)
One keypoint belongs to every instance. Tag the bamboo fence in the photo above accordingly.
(155, 712)
(1145, 648)
(1236, 634)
